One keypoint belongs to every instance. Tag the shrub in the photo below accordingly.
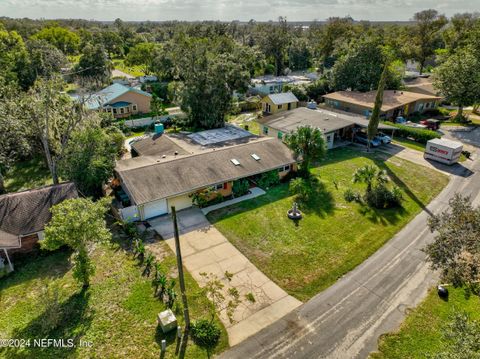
(417, 134)
(240, 187)
(300, 188)
(205, 333)
(467, 154)
(268, 179)
(350, 195)
(381, 197)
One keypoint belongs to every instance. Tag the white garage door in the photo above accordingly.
(154, 209)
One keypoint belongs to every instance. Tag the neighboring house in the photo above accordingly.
(23, 216)
(337, 128)
(120, 100)
(266, 85)
(395, 102)
(170, 177)
(278, 102)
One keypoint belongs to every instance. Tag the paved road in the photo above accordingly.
(346, 320)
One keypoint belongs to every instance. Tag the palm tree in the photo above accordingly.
(370, 174)
(309, 144)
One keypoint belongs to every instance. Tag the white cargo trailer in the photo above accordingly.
(444, 151)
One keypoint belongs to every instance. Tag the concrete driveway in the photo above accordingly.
(205, 249)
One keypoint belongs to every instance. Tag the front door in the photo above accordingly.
(289, 106)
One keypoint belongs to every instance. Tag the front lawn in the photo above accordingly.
(118, 313)
(421, 335)
(414, 145)
(334, 236)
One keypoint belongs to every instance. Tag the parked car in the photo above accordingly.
(383, 138)
(363, 139)
(431, 124)
(400, 120)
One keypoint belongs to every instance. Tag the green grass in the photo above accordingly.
(334, 236)
(135, 71)
(27, 175)
(118, 313)
(420, 334)
(239, 120)
(414, 145)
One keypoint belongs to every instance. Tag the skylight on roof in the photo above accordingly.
(235, 162)
(255, 157)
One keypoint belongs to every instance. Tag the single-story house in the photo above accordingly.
(395, 102)
(279, 102)
(23, 216)
(155, 183)
(269, 84)
(120, 100)
(338, 128)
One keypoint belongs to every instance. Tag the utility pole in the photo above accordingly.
(180, 270)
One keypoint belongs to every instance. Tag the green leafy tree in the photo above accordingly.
(13, 56)
(94, 64)
(455, 250)
(426, 36)
(360, 69)
(15, 143)
(299, 54)
(458, 79)
(157, 107)
(144, 55)
(89, 159)
(308, 144)
(274, 40)
(336, 31)
(78, 223)
(63, 39)
(374, 120)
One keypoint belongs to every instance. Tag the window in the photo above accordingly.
(284, 168)
(218, 186)
(265, 130)
(134, 107)
(255, 157)
(122, 110)
(115, 110)
(235, 162)
(280, 107)
(128, 109)
(271, 89)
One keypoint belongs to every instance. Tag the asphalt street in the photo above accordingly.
(346, 320)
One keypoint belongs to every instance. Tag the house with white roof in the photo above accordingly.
(279, 102)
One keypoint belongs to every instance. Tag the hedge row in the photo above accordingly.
(417, 134)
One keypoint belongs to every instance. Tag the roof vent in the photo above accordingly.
(235, 162)
(164, 156)
(255, 157)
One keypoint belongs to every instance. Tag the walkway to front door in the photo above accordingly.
(205, 249)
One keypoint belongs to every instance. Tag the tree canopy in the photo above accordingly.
(308, 144)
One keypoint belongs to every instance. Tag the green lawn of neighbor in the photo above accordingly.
(118, 313)
(334, 236)
(421, 333)
(135, 71)
(28, 174)
(414, 145)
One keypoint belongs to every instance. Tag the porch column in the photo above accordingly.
(8, 259)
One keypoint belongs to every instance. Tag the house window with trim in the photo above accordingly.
(265, 130)
(115, 111)
(219, 186)
(285, 168)
(127, 109)
(279, 107)
(134, 107)
(122, 110)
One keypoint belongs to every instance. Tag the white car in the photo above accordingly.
(383, 138)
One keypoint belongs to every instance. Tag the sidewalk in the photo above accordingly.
(205, 249)
(254, 192)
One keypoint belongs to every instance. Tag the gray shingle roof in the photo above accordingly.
(282, 98)
(157, 145)
(187, 174)
(326, 121)
(27, 212)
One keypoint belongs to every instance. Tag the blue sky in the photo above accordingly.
(230, 9)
